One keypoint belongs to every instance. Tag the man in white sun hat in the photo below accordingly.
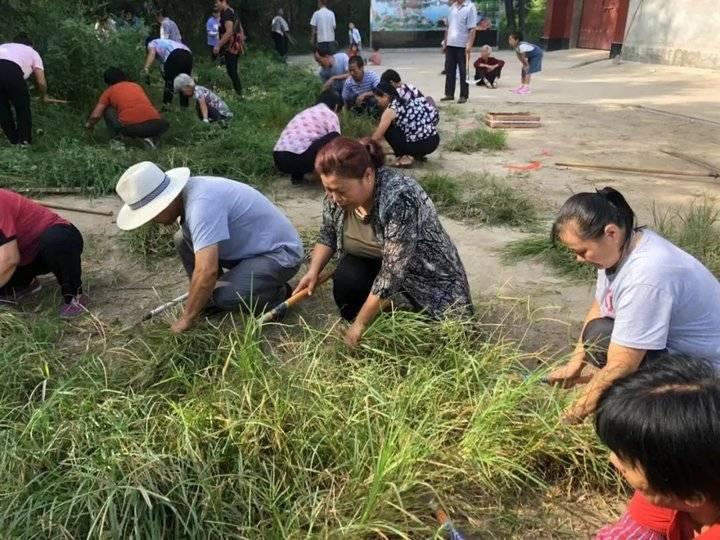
(238, 249)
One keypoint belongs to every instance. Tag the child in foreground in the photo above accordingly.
(530, 57)
(662, 425)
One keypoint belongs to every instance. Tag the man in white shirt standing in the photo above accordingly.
(457, 46)
(322, 27)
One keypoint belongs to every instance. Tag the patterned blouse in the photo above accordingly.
(418, 257)
(212, 100)
(416, 117)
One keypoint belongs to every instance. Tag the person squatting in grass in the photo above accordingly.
(388, 236)
(409, 125)
(18, 60)
(175, 58)
(650, 296)
(209, 106)
(662, 426)
(127, 109)
(406, 91)
(487, 68)
(304, 136)
(357, 92)
(530, 57)
(35, 241)
(334, 69)
(238, 249)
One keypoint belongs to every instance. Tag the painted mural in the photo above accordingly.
(425, 15)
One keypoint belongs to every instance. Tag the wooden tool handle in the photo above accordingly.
(301, 295)
(603, 167)
(106, 213)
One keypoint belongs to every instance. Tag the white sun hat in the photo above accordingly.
(146, 191)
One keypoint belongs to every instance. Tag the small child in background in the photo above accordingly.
(531, 58)
(212, 28)
(353, 50)
(209, 106)
(354, 37)
(487, 68)
(376, 57)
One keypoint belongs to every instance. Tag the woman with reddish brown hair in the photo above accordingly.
(388, 236)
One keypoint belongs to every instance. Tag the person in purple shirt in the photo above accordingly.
(212, 27)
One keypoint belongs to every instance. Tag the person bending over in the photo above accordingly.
(209, 106)
(306, 134)
(35, 241)
(487, 68)
(334, 69)
(388, 236)
(127, 110)
(409, 125)
(175, 58)
(238, 249)
(358, 89)
(650, 296)
(530, 57)
(662, 426)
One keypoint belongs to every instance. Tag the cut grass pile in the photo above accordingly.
(695, 229)
(64, 154)
(480, 198)
(477, 140)
(215, 434)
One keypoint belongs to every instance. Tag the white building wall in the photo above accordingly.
(678, 32)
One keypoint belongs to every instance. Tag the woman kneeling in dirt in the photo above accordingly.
(651, 296)
(409, 124)
(388, 236)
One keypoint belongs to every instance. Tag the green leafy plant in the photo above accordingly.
(476, 140)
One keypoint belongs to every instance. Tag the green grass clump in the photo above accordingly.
(357, 126)
(477, 140)
(215, 435)
(151, 240)
(481, 198)
(557, 256)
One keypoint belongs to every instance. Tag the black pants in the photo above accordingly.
(59, 253)
(281, 43)
(402, 147)
(151, 128)
(454, 57)
(352, 282)
(231, 64)
(298, 165)
(596, 340)
(14, 94)
(489, 76)
(368, 106)
(179, 61)
(213, 114)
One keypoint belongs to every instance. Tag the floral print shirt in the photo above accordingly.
(416, 117)
(419, 259)
(213, 101)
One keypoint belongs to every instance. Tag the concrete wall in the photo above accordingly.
(678, 32)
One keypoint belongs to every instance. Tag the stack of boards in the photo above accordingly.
(512, 120)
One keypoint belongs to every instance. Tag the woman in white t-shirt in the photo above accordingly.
(651, 296)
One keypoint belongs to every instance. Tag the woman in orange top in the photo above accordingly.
(127, 110)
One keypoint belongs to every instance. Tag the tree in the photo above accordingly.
(516, 11)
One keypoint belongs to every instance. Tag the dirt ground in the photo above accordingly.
(601, 112)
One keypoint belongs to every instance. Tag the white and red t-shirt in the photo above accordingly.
(24, 221)
(306, 127)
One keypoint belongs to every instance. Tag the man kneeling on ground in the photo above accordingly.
(127, 110)
(33, 242)
(237, 248)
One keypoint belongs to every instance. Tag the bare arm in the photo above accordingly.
(370, 309)
(226, 36)
(41, 83)
(149, 59)
(621, 361)
(95, 115)
(202, 284)
(320, 256)
(570, 371)
(203, 108)
(9, 260)
(385, 120)
(313, 34)
(471, 40)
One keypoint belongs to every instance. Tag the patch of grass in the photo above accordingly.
(151, 240)
(556, 256)
(477, 140)
(357, 126)
(453, 112)
(481, 198)
(212, 435)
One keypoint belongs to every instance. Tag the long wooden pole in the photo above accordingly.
(106, 213)
(602, 167)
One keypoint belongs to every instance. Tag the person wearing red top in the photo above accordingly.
(33, 242)
(487, 68)
(662, 425)
(127, 110)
